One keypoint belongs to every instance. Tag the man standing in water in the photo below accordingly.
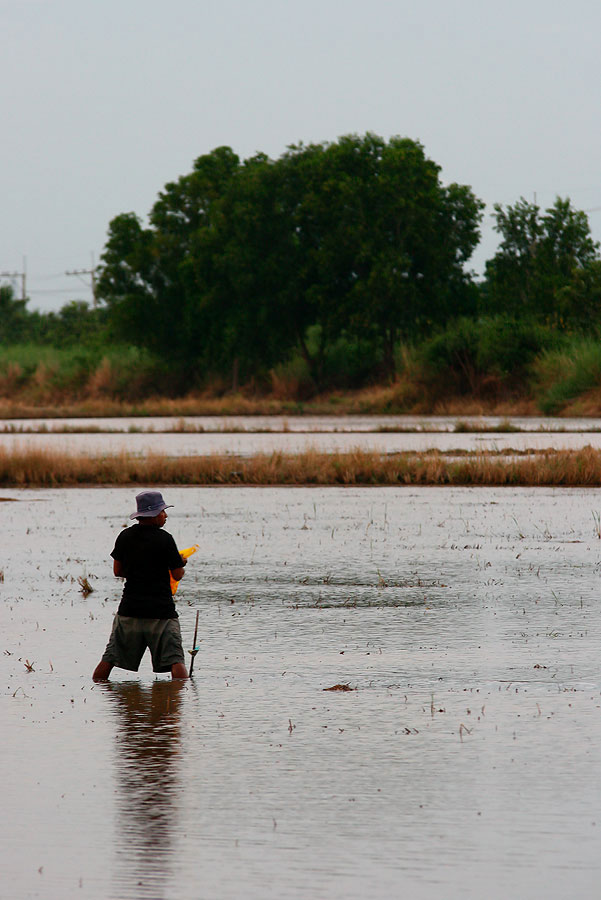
(144, 555)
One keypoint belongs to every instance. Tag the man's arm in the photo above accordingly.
(178, 574)
(118, 569)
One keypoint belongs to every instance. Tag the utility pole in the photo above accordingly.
(22, 275)
(92, 273)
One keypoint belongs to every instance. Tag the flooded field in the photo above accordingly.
(248, 443)
(463, 763)
(316, 424)
(249, 435)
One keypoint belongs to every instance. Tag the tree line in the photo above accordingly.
(355, 243)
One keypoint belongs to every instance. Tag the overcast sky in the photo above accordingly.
(104, 101)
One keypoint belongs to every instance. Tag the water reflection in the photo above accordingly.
(147, 754)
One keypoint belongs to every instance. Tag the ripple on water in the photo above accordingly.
(466, 757)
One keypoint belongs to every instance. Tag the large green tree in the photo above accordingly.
(146, 274)
(357, 237)
(239, 260)
(394, 241)
(541, 257)
(246, 267)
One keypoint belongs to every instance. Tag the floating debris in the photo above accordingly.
(85, 586)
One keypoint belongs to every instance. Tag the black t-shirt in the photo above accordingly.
(147, 553)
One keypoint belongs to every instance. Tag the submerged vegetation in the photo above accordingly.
(562, 468)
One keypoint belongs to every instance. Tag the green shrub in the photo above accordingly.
(562, 374)
(40, 370)
(343, 364)
(472, 354)
(349, 363)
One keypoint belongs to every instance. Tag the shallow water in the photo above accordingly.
(300, 423)
(248, 435)
(248, 444)
(465, 763)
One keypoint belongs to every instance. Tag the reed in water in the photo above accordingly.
(46, 467)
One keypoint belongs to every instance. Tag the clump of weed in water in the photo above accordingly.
(463, 427)
(1, 576)
(85, 586)
(43, 466)
(463, 728)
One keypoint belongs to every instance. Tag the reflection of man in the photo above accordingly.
(147, 742)
(145, 556)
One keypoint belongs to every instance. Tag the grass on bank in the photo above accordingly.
(37, 375)
(379, 400)
(494, 366)
(564, 375)
(47, 468)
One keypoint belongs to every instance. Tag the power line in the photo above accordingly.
(55, 291)
(92, 274)
(22, 275)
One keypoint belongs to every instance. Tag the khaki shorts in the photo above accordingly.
(131, 636)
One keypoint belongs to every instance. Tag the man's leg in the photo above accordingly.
(164, 637)
(125, 648)
(102, 671)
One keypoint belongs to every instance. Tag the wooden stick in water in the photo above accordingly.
(194, 649)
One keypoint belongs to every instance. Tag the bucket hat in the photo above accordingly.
(149, 503)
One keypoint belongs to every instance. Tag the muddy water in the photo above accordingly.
(465, 764)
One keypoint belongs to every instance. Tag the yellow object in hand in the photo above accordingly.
(185, 554)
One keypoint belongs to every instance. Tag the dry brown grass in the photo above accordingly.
(102, 381)
(26, 467)
(9, 379)
(98, 406)
(393, 399)
(470, 406)
(586, 405)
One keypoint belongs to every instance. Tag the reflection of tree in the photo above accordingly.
(147, 746)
